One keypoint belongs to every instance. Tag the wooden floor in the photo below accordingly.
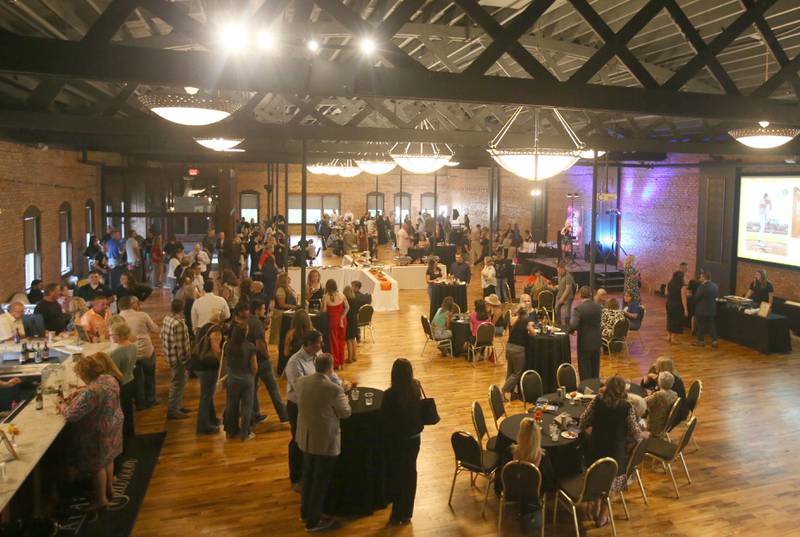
(746, 474)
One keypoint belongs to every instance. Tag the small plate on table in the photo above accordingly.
(569, 435)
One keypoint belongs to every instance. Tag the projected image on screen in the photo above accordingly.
(769, 219)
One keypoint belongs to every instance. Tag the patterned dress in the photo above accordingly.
(96, 419)
(608, 319)
(631, 281)
(614, 431)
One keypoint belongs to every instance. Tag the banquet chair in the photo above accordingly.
(522, 483)
(471, 458)
(481, 431)
(619, 336)
(636, 331)
(364, 318)
(457, 308)
(496, 405)
(634, 461)
(567, 376)
(484, 340)
(546, 302)
(668, 453)
(531, 387)
(444, 343)
(593, 484)
(692, 398)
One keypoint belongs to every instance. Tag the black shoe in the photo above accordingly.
(185, 410)
(209, 431)
(177, 416)
(259, 419)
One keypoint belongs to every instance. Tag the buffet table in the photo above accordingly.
(412, 276)
(39, 428)
(382, 299)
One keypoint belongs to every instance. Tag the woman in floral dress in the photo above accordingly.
(96, 418)
(632, 276)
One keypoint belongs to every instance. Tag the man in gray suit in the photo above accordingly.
(705, 310)
(321, 404)
(586, 320)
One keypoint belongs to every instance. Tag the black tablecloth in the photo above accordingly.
(441, 290)
(547, 251)
(780, 307)
(595, 385)
(417, 253)
(525, 262)
(320, 322)
(446, 254)
(766, 335)
(544, 353)
(358, 486)
(462, 332)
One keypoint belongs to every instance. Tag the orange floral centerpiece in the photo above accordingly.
(386, 285)
(13, 431)
(537, 415)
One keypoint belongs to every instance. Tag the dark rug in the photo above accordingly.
(134, 470)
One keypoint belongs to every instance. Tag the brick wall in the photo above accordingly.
(45, 179)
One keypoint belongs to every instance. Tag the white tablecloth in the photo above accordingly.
(412, 276)
(381, 300)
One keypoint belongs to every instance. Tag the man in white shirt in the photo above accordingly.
(11, 322)
(144, 374)
(207, 305)
(134, 255)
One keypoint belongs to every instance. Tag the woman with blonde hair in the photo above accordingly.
(124, 357)
(314, 289)
(663, 363)
(96, 419)
(77, 307)
(529, 442)
(488, 277)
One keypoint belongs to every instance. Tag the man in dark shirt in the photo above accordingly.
(94, 288)
(460, 270)
(54, 318)
(361, 298)
(705, 311)
(35, 294)
(586, 320)
(255, 335)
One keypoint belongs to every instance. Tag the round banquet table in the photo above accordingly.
(358, 485)
(462, 332)
(440, 290)
(565, 453)
(319, 321)
(544, 353)
(596, 384)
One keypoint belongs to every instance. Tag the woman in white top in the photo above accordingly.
(403, 240)
(488, 277)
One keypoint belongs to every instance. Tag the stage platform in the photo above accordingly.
(607, 275)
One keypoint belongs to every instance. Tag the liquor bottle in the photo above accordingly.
(46, 352)
(37, 356)
(39, 399)
(23, 354)
(16, 336)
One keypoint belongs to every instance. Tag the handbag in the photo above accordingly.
(427, 409)
(202, 355)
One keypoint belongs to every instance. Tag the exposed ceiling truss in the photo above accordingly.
(630, 76)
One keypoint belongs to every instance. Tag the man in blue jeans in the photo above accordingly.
(255, 335)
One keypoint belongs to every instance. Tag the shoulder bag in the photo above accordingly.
(427, 409)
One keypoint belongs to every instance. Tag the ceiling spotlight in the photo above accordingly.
(313, 45)
(234, 37)
(536, 192)
(265, 40)
(367, 45)
(191, 90)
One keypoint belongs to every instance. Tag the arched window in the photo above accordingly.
(427, 203)
(65, 237)
(32, 236)
(402, 206)
(249, 202)
(89, 213)
(375, 203)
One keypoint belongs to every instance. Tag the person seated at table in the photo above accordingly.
(77, 308)
(609, 317)
(536, 283)
(479, 316)
(521, 327)
(639, 407)
(402, 427)
(55, 320)
(609, 421)
(11, 321)
(128, 286)
(601, 297)
(95, 321)
(361, 298)
(760, 289)
(496, 316)
(93, 288)
(460, 269)
(314, 290)
(663, 363)
(659, 404)
(96, 418)
(632, 311)
(529, 449)
(440, 324)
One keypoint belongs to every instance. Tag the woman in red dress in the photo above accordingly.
(336, 305)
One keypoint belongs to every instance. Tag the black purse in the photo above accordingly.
(427, 410)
